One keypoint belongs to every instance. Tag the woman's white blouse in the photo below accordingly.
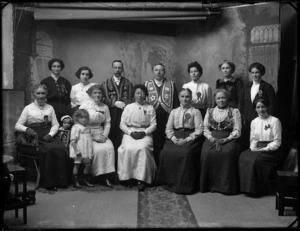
(185, 118)
(266, 130)
(32, 113)
(136, 117)
(78, 93)
(99, 115)
(201, 94)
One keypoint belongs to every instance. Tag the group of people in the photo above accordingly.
(151, 134)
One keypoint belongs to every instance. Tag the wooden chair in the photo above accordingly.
(27, 148)
(286, 195)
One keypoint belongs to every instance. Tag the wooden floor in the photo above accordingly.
(119, 209)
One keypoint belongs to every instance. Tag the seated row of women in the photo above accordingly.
(221, 167)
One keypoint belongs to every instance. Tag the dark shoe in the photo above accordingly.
(108, 183)
(75, 182)
(85, 181)
(141, 187)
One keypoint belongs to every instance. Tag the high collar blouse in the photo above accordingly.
(136, 117)
(220, 115)
(185, 118)
(201, 94)
(269, 130)
(33, 113)
(78, 94)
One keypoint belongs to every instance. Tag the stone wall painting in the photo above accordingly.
(44, 49)
(13, 104)
(157, 50)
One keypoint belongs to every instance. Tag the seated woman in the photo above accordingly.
(220, 150)
(38, 118)
(257, 163)
(135, 155)
(180, 156)
(103, 162)
(78, 91)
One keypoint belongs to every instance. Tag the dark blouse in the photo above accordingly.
(267, 91)
(58, 91)
(235, 87)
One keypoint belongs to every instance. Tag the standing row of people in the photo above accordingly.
(142, 120)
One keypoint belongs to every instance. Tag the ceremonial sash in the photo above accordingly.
(115, 93)
(165, 99)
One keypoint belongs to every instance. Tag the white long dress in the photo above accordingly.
(135, 157)
(104, 155)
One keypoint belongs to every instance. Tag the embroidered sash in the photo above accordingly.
(165, 99)
(115, 93)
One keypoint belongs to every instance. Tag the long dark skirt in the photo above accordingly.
(255, 169)
(115, 134)
(178, 165)
(54, 160)
(219, 170)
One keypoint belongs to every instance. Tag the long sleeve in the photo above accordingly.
(72, 97)
(198, 122)
(271, 99)
(20, 125)
(55, 124)
(206, 126)
(253, 139)
(138, 118)
(266, 130)
(240, 94)
(123, 125)
(107, 124)
(176, 102)
(209, 97)
(32, 114)
(277, 132)
(149, 130)
(237, 125)
(170, 125)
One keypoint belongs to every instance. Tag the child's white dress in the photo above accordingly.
(84, 142)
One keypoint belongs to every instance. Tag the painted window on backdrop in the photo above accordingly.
(264, 48)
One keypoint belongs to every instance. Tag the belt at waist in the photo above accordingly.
(184, 129)
(138, 127)
(39, 124)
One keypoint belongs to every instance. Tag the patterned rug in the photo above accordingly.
(159, 208)
(96, 188)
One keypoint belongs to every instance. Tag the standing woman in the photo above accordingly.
(78, 91)
(220, 150)
(163, 97)
(232, 84)
(135, 154)
(38, 118)
(257, 163)
(59, 89)
(180, 156)
(255, 89)
(201, 92)
(103, 162)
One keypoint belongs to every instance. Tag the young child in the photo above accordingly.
(66, 122)
(81, 146)
(64, 130)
